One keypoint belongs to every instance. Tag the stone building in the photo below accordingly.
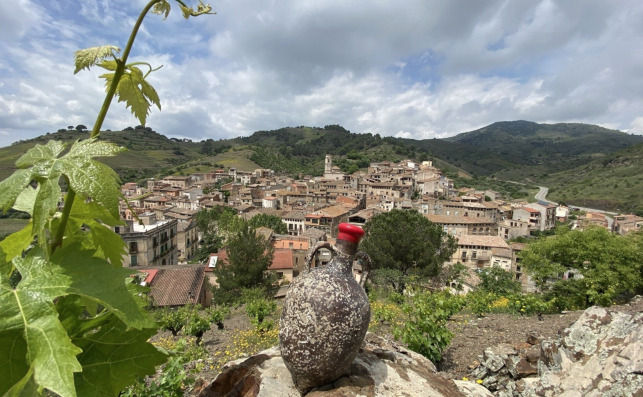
(152, 243)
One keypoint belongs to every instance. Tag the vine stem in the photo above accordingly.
(120, 69)
(118, 73)
(60, 232)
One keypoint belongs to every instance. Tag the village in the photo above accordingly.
(162, 236)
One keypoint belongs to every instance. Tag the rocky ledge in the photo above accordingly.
(601, 354)
(381, 368)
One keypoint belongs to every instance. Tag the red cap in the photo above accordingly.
(350, 232)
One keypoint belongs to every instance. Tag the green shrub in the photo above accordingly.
(259, 309)
(424, 330)
(174, 379)
(529, 304)
(172, 320)
(197, 326)
(217, 314)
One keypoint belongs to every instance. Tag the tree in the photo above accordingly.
(80, 127)
(270, 221)
(249, 256)
(404, 243)
(207, 147)
(498, 281)
(215, 225)
(601, 265)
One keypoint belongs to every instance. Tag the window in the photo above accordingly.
(133, 261)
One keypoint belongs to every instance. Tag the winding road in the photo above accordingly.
(542, 194)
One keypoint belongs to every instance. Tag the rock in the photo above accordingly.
(520, 368)
(472, 389)
(376, 371)
(601, 354)
(533, 338)
(533, 355)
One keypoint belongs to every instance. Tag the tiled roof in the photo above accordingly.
(177, 287)
(281, 259)
(368, 213)
(451, 219)
(296, 214)
(485, 241)
(334, 211)
(502, 252)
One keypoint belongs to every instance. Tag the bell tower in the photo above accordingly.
(328, 165)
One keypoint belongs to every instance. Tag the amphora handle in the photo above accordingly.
(319, 245)
(366, 266)
(359, 256)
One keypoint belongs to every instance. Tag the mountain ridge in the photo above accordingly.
(507, 150)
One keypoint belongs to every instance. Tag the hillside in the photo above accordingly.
(529, 149)
(613, 182)
(549, 154)
(149, 153)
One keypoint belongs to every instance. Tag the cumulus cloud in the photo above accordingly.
(417, 69)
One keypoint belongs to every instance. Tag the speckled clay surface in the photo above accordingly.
(324, 320)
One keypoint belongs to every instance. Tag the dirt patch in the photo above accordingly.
(472, 335)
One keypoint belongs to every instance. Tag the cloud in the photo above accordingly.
(418, 69)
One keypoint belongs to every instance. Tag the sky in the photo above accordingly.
(415, 68)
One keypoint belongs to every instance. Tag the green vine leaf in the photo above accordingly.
(11, 247)
(84, 59)
(32, 337)
(69, 266)
(135, 91)
(113, 357)
(11, 187)
(26, 199)
(31, 334)
(25, 387)
(88, 177)
(163, 7)
(108, 65)
(108, 245)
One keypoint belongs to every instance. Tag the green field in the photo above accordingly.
(11, 225)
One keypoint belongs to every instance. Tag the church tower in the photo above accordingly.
(328, 165)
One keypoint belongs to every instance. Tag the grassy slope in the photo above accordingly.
(612, 182)
(11, 225)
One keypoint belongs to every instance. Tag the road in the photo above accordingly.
(542, 194)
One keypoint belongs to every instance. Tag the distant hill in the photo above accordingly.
(612, 182)
(547, 147)
(509, 150)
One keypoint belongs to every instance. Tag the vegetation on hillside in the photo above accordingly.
(613, 182)
(551, 155)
